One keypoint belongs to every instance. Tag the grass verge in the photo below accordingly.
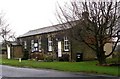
(87, 67)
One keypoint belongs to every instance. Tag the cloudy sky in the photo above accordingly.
(25, 15)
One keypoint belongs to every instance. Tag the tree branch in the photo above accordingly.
(113, 49)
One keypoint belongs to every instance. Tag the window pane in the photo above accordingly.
(66, 44)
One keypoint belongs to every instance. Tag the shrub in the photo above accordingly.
(48, 58)
(65, 57)
(37, 56)
(26, 55)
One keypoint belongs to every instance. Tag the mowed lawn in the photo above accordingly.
(86, 66)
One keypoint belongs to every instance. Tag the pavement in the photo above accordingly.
(9, 72)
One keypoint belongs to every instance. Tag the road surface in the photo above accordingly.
(14, 72)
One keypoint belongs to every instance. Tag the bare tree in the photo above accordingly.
(5, 32)
(93, 23)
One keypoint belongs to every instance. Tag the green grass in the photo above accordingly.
(87, 67)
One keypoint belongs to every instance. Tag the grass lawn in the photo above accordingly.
(87, 67)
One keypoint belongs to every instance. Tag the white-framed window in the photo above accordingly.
(25, 44)
(39, 45)
(49, 44)
(66, 44)
(32, 45)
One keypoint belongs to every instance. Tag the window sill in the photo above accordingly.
(66, 51)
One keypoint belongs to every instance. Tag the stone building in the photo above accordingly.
(52, 43)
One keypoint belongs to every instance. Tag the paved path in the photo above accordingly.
(9, 71)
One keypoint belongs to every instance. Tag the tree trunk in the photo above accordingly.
(101, 56)
(102, 60)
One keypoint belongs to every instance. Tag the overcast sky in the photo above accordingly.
(25, 15)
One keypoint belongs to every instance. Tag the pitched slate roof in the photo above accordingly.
(43, 30)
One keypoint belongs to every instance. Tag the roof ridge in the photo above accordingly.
(45, 27)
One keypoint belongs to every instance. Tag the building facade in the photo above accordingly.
(52, 43)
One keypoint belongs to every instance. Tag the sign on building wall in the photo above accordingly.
(59, 49)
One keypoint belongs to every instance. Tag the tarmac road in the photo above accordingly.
(9, 72)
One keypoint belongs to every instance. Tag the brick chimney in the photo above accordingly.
(85, 15)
